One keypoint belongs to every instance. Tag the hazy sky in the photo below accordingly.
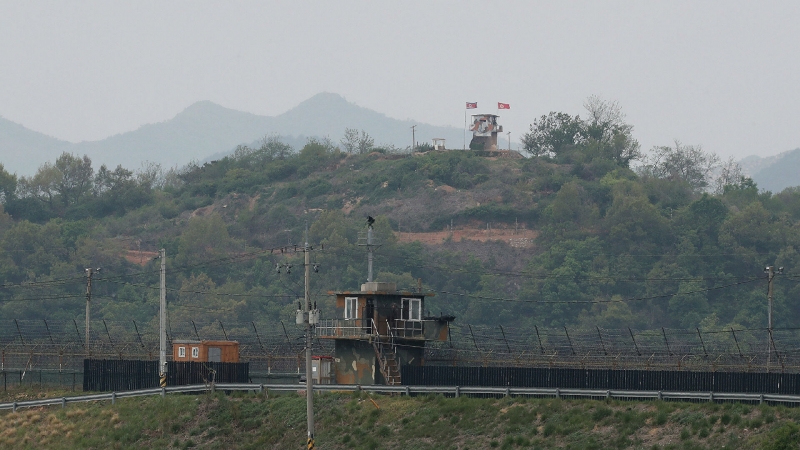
(722, 74)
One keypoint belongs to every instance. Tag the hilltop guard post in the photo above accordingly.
(380, 330)
(484, 132)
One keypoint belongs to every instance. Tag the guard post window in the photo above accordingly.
(351, 308)
(412, 309)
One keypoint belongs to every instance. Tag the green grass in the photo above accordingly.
(352, 421)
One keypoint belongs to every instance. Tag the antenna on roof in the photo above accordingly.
(370, 244)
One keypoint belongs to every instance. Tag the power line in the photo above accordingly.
(186, 291)
(449, 268)
(517, 300)
(57, 297)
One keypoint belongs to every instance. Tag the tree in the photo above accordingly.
(205, 238)
(8, 185)
(75, 179)
(571, 207)
(353, 143)
(112, 181)
(66, 182)
(606, 127)
(729, 173)
(365, 143)
(551, 133)
(150, 175)
(687, 163)
(633, 224)
(350, 140)
(118, 190)
(272, 148)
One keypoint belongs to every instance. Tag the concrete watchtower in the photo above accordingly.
(484, 131)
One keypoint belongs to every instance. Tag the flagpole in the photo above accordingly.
(465, 130)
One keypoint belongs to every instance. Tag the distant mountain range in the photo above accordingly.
(774, 173)
(206, 130)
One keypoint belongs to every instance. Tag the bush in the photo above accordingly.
(785, 437)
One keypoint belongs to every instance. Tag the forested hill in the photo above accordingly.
(568, 236)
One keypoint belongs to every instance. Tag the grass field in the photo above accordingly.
(345, 421)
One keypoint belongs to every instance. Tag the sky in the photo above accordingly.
(721, 74)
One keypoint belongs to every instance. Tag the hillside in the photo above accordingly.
(383, 422)
(572, 238)
(775, 173)
(23, 150)
(206, 131)
(196, 132)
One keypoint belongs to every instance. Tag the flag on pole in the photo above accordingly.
(472, 105)
(503, 105)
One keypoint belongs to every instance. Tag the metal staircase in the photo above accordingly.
(387, 358)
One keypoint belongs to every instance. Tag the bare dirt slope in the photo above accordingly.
(521, 238)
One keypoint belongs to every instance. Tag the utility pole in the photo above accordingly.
(413, 137)
(308, 320)
(770, 271)
(162, 320)
(89, 273)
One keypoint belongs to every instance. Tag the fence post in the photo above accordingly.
(458, 389)
(113, 398)
(63, 402)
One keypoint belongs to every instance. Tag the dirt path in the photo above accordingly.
(140, 258)
(516, 238)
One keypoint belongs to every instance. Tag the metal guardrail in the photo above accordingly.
(408, 390)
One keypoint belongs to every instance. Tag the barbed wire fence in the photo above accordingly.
(738, 350)
(60, 345)
(278, 347)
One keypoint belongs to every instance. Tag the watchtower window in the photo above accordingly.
(412, 309)
(351, 308)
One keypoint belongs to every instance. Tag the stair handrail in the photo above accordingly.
(391, 333)
(378, 345)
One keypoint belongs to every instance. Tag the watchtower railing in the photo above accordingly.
(364, 328)
(352, 328)
(408, 329)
